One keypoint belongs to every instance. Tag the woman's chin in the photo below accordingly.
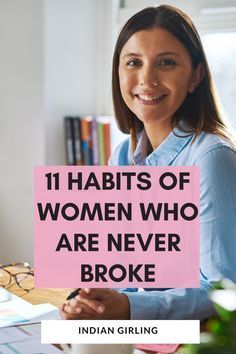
(153, 119)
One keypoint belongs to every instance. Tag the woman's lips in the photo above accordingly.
(150, 99)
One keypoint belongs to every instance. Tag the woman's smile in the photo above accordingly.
(150, 99)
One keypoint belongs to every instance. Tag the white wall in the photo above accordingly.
(55, 60)
(21, 122)
(77, 60)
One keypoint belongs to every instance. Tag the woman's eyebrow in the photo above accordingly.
(158, 55)
(131, 55)
(168, 53)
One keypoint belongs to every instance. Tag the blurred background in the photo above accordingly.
(55, 60)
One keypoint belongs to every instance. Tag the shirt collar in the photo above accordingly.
(165, 153)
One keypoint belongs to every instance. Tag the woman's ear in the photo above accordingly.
(198, 75)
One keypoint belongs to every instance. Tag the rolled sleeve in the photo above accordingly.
(171, 304)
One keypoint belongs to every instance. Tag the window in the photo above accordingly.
(220, 49)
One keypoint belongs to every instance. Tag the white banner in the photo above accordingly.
(114, 331)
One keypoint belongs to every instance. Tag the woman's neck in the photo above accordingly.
(157, 132)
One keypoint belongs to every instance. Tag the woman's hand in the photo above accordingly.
(96, 304)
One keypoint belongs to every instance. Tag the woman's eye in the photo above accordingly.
(133, 63)
(167, 62)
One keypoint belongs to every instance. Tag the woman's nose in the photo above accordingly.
(148, 77)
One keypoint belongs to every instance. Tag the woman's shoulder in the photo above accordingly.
(207, 144)
(121, 154)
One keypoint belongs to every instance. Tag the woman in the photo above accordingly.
(163, 96)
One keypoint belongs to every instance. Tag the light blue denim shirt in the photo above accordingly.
(217, 161)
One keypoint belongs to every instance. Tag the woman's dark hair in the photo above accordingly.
(200, 108)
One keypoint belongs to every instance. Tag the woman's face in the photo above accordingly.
(155, 74)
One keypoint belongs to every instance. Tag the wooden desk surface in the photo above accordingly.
(38, 296)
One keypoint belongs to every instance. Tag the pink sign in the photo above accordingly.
(98, 226)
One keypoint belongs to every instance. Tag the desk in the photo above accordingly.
(55, 297)
(39, 296)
